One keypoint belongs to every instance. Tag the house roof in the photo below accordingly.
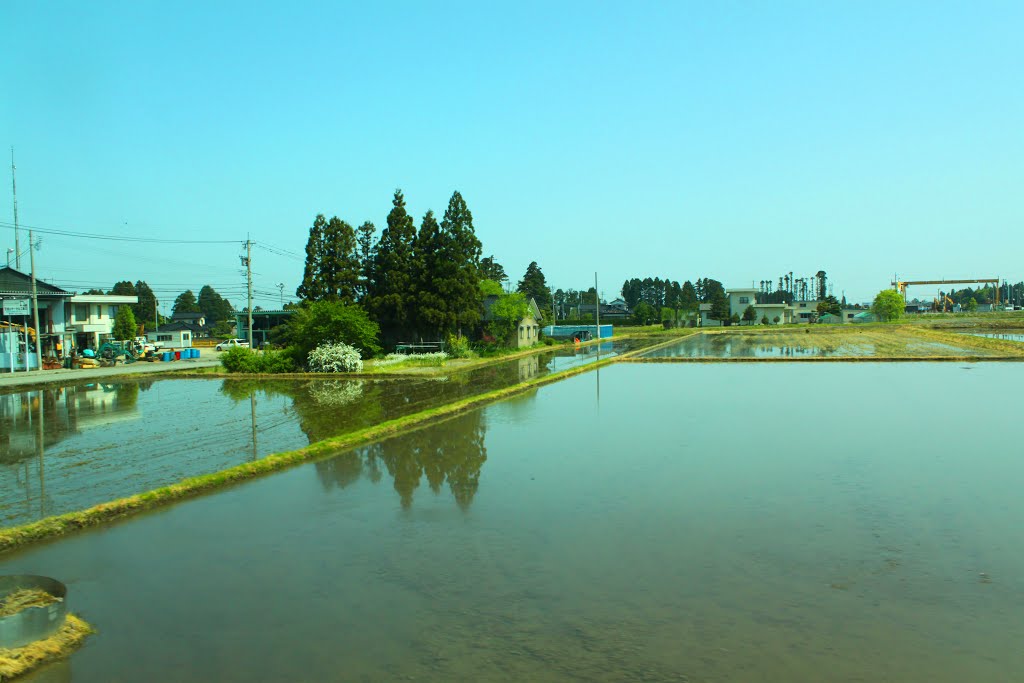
(187, 316)
(16, 282)
(178, 326)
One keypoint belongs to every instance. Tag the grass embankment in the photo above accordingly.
(19, 661)
(59, 525)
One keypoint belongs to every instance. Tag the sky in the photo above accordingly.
(731, 140)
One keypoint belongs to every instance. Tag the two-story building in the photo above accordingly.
(89, 318)
(66, 320)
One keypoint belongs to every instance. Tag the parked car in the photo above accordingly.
(232, 343)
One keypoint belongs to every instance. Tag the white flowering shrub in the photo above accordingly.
(335, 357)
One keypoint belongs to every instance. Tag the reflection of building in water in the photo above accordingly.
(529, 367)
(451, 453)
(65, 411)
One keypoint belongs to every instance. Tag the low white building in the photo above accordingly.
(173, 335)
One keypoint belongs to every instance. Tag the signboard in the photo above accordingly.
(16, 307)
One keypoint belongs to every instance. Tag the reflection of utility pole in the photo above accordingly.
(40, 445)
(252, 405)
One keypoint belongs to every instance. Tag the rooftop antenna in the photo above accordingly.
(14, 191)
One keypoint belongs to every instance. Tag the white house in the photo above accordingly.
(173, 335)
(90, 317)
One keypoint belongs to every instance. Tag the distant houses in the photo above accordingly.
(67, 321)
(781, 313)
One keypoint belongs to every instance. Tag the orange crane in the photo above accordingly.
(902, 285)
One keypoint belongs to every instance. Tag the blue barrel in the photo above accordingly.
(166, 356)
(195, 353)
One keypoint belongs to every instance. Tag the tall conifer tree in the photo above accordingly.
(461, 286)
(311, 288)
(391, 292)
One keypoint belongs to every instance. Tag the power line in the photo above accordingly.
(115, 238)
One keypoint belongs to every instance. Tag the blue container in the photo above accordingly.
(166, 356)
(195, 353)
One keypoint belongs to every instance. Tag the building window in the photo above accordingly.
(164, 337)
(81, 312)
(520, 331)
(803, 305)
(744, 299)
(112, 311)
(184, 336)
(99, 311)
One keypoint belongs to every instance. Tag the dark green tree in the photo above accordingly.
(391, 294)
(123, 288)
(311, 287)
(830, 305)
(185, 303)
(719, 305)
(434, 317)
(124, 324)
(333, 270)
(534, 285)
(364, 242)
(339, 267)
(643, 314)
(215, 308)
(459, 283)
(822, 288)
(749, 314)
(492, 270)
(146, 308)
(318, 322)
(688, 297)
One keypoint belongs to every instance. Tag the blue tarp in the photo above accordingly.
(567, 331)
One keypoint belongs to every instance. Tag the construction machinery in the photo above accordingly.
(943, 303)
(901, 285)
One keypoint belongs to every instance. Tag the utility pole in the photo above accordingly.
(35, 303)
(597, 313)
(280, 286)
(17, 241)
(247, 260)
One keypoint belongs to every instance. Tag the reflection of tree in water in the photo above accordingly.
(452, 452)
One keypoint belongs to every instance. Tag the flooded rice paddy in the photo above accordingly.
(1005, 336)
(99, 442)
(644, 522)
(804, 342)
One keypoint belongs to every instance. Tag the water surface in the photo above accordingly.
(71, 447)
(647, 522)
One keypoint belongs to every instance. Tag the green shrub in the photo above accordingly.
(247, 361)
(329, 322)
(458, 346)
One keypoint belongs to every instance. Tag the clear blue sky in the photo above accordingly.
(731, 140)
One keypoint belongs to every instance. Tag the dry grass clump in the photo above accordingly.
(24, 598)
(19, 661)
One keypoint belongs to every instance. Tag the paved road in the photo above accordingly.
(8, 379)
